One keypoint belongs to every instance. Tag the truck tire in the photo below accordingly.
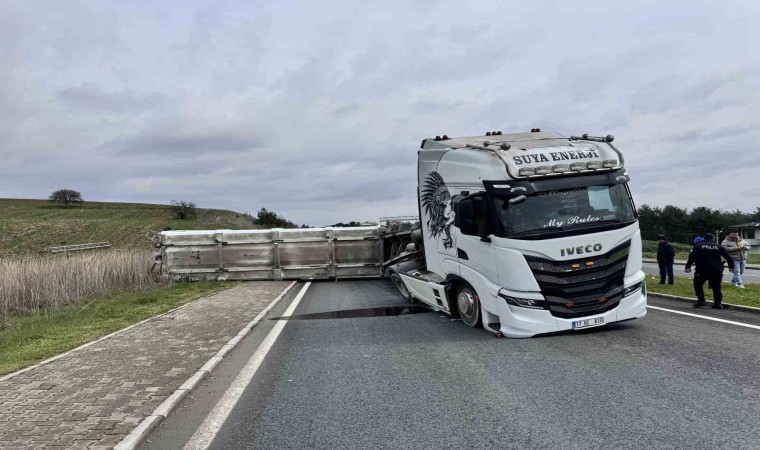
(401, 287)
(468, 305)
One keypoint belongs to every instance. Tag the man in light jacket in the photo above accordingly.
(737, 248)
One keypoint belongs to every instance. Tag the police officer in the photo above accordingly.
(707, 256)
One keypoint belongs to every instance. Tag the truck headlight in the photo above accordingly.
(630, 290)
(524, 302)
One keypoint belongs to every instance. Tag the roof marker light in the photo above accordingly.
(577, 167)
(488, 133)
(594, 164)
(561, 168)
(486, 143)
(609, 163)
(445, 137)
(437, 138)
(527, 171)
(505, 146)
(543, 170)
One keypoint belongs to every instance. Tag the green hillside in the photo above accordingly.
(35, 225)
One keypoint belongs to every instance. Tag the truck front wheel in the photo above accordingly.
(401, 287)
(468, 306)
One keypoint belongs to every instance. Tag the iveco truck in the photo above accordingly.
(525, 233)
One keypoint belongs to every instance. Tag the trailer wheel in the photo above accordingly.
(468, 306)
(401, 287)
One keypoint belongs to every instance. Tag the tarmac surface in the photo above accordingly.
(420, 380)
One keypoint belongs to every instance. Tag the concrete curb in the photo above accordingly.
(102, 338)
(749, 309)
(143, 430)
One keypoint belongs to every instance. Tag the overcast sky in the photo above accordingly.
(316, 109)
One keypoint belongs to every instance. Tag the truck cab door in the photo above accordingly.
(474, 249)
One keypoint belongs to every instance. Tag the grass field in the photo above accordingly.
(28, 339)
(34, 225)
(684, 287)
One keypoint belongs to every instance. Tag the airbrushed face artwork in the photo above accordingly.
(439, 206)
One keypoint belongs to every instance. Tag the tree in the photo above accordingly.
(183, 209)
(66, 197)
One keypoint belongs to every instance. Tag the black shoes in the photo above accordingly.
(718, 306)
(699, 304)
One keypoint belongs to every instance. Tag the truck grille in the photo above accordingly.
(582, 287)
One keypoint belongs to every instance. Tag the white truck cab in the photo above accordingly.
(526, 233)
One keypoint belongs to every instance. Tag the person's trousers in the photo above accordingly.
(739, 266)
(666, 269)
(714, 279)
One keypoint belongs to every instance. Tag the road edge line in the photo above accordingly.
(216, 418)
(700, 316)
(749, 309)
(138, 435)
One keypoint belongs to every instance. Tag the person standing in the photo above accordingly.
(665, 256)
(737, 248)
(707, 256)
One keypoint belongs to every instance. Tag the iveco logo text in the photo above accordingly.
(518, 189)
(581, 249)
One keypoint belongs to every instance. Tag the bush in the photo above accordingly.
(183, 209)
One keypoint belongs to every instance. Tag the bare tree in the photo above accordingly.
(66, 197)
(183, 209)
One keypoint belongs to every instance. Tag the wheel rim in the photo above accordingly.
(467, 306)
(399, 283)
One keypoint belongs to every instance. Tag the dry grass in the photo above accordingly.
(29, 284)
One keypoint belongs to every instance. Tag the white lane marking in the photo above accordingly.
(213, 423)
(715, 319)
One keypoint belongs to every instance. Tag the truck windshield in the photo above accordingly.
(581, 208)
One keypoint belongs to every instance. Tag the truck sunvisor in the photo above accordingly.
(515, 188)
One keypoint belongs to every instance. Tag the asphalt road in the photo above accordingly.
(750, 275)
(424, 381)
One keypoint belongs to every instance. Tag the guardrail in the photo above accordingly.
(77, 247)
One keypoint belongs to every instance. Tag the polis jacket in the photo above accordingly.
(707, 256)
(737, 248)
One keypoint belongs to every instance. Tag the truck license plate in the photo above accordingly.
(586, 323)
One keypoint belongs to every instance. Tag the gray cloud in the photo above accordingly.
(182, 146)
(317, 111)
(88, 96)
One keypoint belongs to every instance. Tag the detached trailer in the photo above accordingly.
(283, 254)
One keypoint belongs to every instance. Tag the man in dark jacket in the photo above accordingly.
(665, 256)
(707, 256)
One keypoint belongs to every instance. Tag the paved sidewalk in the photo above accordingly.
(95, 396)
